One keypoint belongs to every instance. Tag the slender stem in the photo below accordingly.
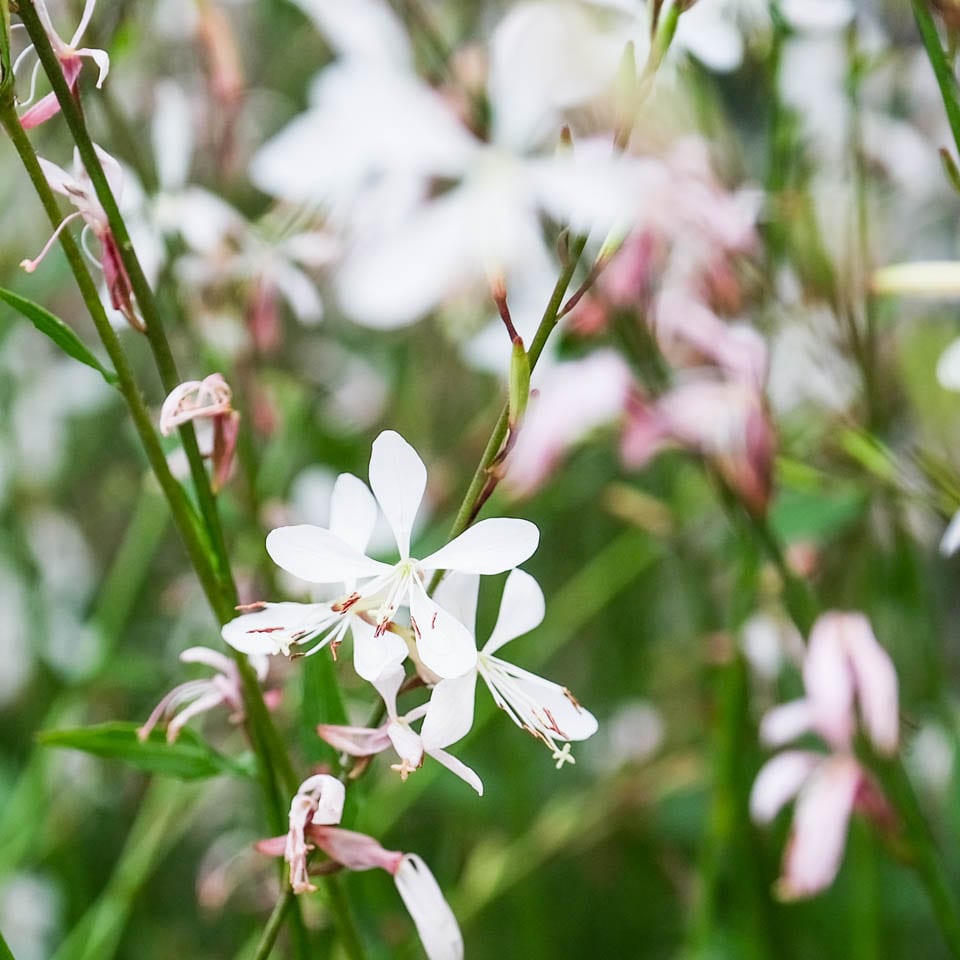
(946, 81)
(272, 930)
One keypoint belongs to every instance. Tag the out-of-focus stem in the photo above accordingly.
(942, 70)
(272, 930)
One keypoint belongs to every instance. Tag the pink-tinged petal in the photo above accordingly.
(458, 594)
(876, 681)
(101, 58)
(398, 479)
(458, 768)
(58, 179)
(431, 914)
(356, 851)
(829, 681)
(209, 658)
(450, 712)
(779, 781)
(354, 741)
(819, 833)
(272, 629)
(209, 701)
(444, 644)
(488, 547)
(272, 846)
(407, 743)
(373, 654)
(45, 108)
(786, 722)
(522, 609)
(318, 556)
(353, 511)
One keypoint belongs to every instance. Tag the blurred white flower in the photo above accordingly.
(31, 910)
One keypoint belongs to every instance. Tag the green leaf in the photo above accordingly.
(187, 758)
(62, 335)
(817, 516)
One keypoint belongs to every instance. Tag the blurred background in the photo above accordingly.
(798, 148)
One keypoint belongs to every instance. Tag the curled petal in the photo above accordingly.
(488, 547)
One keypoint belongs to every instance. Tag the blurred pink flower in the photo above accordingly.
(198, 696)
(850, 682)
(71, 62)
(314, 812)
(207, 399)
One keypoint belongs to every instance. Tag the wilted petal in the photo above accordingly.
(432, 916)
(398, 479)
(522, 608)
(356, 851)
(450, 712)
(779, 780)
(488, 547)
(327, 795)
(819, 833)
(444, 644)
(318, 556)
(354, 741)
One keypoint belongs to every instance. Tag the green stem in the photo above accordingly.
(346, 922)
(272, 930)
(146, 301)
(941, 67)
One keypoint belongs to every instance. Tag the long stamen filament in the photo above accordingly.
(31, 265)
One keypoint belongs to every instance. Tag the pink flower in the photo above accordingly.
(314, 813)
(199, 696)
(207, 399)
(77, 187)
(850, 682)
(71, 62)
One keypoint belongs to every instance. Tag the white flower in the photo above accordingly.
(276, 627)
(543, 708)
(398, 733)
(398, 480)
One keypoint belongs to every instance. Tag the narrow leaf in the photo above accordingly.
(62, 335)
(187, 758)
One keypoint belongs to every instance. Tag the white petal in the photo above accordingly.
(457, 767)
(362, 29)
(450, 712)
(172, 134)
(372, 655)
(408, 744)
(488, 547)
(786, 722)
(714, 41)
(458, 594)
(876, 681)
(522, 608)
(318, 556)
(57, 178)
(299, 291)
(829, 681)
(780, 780)
(329, 794)
(817, 14)
(444, 644)
(398, 479)
(948, 366)
(267, 631)
(353, 511)
(950, 541)
(434, 920)
(819, 833)
(388, 686)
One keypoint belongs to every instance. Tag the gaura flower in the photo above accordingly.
(398, 733)
(207, 399)
(198, 696)
(79, 190)
(850, 682)
(544, 709)
(277, 627)
(71, 62)
(398, 479)
(314, 812)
